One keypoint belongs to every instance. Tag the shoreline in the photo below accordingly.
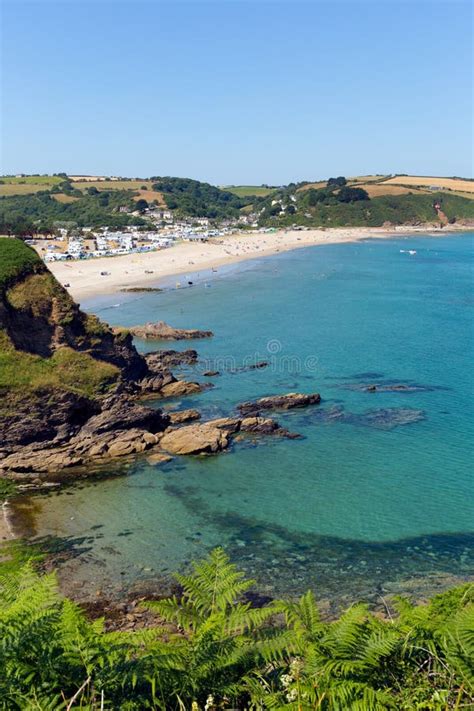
(148, 269)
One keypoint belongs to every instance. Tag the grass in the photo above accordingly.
(67, 369)
(17, 259)
(248, 190)
(61, 197)
(150, 196)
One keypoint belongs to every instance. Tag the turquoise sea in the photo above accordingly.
(376, 497)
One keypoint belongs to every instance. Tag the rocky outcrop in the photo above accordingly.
(163, 331)
(44, 415)
(216, 435)
(181, 416)
(180, 388)
(121, 414)
(196, 439)
(279, 402)
(159, 360)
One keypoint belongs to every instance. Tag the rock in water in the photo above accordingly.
(163, 331)
(279, 402)
(195, 439)
(158, 360)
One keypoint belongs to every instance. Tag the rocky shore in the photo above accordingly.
(76, 393)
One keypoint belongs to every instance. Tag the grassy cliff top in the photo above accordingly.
(67, 369)
(17, 260)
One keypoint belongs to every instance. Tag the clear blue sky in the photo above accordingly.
(249, 91)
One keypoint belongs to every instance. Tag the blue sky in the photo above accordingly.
(249, 91)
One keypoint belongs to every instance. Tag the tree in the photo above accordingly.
(346, 194)
(92, 191)
(141, 205)
(337, 182)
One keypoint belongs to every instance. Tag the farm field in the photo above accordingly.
(16, 189)
(367, 179)
(314, 186)
(248, 190)
(112, 184)
(378, 189)
(149, 196)
(61, 197)
(44, 180)
(28, 184)
(447, 183)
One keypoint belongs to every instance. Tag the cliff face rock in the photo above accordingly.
(45, 415)
(38, 316)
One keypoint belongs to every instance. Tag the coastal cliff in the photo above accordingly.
(66, 379)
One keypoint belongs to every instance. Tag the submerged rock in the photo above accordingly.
(382, 418)
(252, 366)
(388, 387)
(388, 418)
(281, 402)
(163, 331)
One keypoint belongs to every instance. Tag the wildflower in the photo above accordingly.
(209, 703)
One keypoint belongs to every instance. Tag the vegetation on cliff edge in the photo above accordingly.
(66, 369)
(212, 649)
(17, 261)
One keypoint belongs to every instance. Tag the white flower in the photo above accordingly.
(209, 703)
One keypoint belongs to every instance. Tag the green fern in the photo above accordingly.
(212, 647)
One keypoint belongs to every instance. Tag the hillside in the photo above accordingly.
(194, 198)
(365, 201)
(44, 210)
(39, 203)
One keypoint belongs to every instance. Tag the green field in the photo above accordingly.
(44, 180)
(112, 184)
(248, 190)
(28, 184)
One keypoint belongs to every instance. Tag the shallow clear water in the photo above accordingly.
(376, 497)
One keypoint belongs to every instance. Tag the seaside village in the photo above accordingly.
(162, 231)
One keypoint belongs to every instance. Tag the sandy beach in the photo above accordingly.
(83, 277)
